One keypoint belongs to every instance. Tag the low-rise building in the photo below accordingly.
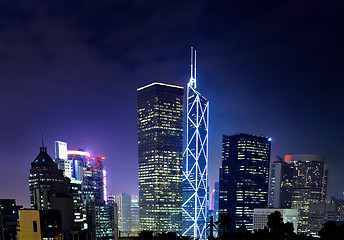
(39, 224)
(321, 213)
(8, 219)
(260, 217)
(29, 225)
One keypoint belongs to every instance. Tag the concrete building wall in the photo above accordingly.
(29, 225)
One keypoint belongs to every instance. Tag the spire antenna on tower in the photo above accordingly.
(192, 62)
(43, 149)
(193, 68)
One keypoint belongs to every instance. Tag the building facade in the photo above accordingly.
(39, 224)
(196, 156)
(29, 224)
(105, 227)
(216, 201)
(160, 155)
(135, 216)
(8, 218)
(87, 177)
(320, 214)
(309, 185)
(244, 177)
(123, 202)
(281, 184)
(50, 189)
(61, 158)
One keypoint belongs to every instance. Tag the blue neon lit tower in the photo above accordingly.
(195, 166)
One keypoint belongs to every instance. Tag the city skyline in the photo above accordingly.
(71, 71)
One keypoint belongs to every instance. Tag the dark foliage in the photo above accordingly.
(330, 231)
(146, 235)
(224, 223)
(276, 230)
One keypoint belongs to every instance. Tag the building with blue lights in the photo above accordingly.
(105, 222)
(87, 177)
(195, 166)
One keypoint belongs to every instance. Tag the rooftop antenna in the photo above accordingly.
(43, 148)
(192, 62)
(193, 68)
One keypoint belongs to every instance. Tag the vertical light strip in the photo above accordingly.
(104, 185)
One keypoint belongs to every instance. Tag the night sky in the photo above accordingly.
(70, 70)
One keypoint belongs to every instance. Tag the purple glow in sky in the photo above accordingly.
(70, 69)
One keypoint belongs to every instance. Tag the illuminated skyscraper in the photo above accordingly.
(49, 189)
(95, 179)
(72, 164)
(195, 166)
(61, 158)
(309, 185)
(160, 153)
(78, 161)
(123, 202)
(87, 183)
(105, 227)
(244, 177)
(216, 201)
(135, 216)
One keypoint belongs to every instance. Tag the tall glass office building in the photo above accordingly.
(123, 202)
(195, 166)
(87, 183)
(160, 154)
(244, 177)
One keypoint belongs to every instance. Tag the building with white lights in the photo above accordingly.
(160, 155)
(87, 186)
(244, 177)
(135, 216)
(309, 185)
(123, 202)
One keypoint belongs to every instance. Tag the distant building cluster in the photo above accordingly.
(69, 198)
